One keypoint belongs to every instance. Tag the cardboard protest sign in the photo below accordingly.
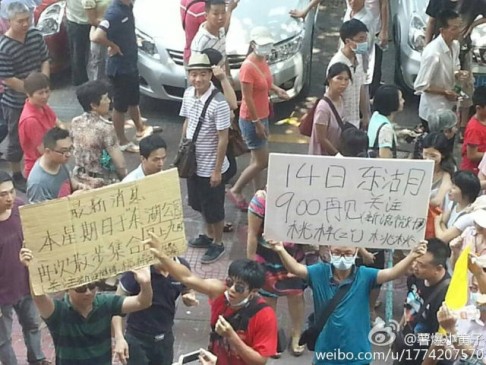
(98, 234)
(376, 203)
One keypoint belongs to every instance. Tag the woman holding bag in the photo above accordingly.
(328, 125)
(256, 84)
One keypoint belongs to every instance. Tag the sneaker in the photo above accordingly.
(19, 182)
(202, 241)
(213, 254)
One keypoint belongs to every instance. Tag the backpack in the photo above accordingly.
(193, 2)
(374, 151)
(240, 319)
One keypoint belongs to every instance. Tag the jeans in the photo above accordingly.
(29, 321)
(145, 351)
(78, 35)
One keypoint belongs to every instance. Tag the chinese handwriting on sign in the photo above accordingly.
(347, 201)
(100, 233)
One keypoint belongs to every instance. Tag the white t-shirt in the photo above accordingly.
(459, 220)
(203, 40)
(136, 174)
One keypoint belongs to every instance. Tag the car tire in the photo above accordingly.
(398, 75)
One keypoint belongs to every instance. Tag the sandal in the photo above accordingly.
(130, 147)
(240, 204)
(228, 227)
(146, 132)
(294, 347)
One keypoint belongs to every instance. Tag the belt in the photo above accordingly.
(145, 336)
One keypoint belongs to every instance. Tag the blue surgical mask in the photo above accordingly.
(473, 298)
(361, 48)
(342, 262)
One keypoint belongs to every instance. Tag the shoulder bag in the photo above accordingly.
(375, 150)
(310, 335)
(185, 160)
(343, 125)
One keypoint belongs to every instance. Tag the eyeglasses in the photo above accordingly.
(65, 152)
(239, 287)
(83, 288)
(345, 254)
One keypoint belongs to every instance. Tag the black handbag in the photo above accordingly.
(309, 336)
(185, 160)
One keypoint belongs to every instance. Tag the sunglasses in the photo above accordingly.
(83, 288)
(239, 287)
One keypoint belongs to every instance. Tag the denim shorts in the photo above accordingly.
(248, 132)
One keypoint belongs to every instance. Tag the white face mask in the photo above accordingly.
(473, 298)
(240, 304)
(342, 262)
(264, 50)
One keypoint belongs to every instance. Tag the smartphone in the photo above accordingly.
(190, 357)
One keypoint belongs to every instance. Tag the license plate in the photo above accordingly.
(480, 80)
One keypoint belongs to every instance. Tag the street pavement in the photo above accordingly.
(191, 325)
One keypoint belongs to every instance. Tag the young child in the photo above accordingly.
(36, 118)
(475, 137)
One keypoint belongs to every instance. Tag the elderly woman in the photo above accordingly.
(443, 121)
(97, 155)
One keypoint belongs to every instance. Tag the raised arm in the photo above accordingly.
(289, 262)
(211, 287)
(44, 303)
(302, 13)
(402, 267)
(144, 298)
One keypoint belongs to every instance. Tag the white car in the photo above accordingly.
(162, 40)
(409, 23)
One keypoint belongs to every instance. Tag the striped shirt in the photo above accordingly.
(217, 119)
(19, 60)
(203, 40)
(84, 341)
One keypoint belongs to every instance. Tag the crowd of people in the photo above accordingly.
(354, 117)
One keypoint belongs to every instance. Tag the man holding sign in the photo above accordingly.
(80, 323)
(352, 285)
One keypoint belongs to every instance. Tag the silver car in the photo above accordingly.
(162, 40)
(409, 23)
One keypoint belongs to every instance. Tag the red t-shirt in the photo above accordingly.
(261, 334)
(34, 122)
(194, 17)
(249, 74)
(475, 136)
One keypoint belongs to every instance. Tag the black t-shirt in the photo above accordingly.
(159, 317)
(418, 293)
(436, 6)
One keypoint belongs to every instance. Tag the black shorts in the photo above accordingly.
(126, 91)
(205, 199)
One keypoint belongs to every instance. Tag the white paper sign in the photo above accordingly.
(376, 203)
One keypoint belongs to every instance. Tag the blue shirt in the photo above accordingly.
(119, 25)
(387, 133)
(348, 326)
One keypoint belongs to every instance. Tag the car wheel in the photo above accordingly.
(308, 69)
(398, 75)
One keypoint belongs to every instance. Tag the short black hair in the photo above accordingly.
(479, 96)
(444, 17)
(439, 250)
(386, 100)
(91, 93)
(438, 141)
(151, 143)
(468, 183)
(5, 177)
(248, 271)
(35, 81)
(53, 135)
(354, 143)
(351, 28)
(215, 58)
(210, 3)
(336, 69)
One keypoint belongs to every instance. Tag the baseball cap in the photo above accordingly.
(261, 36)
(479, 217)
